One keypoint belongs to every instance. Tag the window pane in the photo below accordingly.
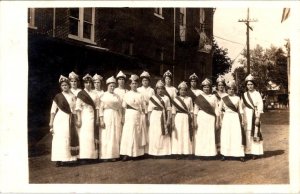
(87, 28)
(73, 26)
(74, 12)
(181, 17)
(88, 14)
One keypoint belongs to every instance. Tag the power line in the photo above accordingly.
(228, 40)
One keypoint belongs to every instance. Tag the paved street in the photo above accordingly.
(271, 169)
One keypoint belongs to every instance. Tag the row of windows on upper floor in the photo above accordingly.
(82, 22)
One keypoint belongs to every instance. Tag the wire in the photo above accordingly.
(228, 40)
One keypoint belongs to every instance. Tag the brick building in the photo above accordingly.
(106, 40)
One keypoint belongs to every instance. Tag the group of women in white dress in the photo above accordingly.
(184, 122)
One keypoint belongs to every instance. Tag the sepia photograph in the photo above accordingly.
(155, 98)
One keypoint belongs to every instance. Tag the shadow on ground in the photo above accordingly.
(268, 154)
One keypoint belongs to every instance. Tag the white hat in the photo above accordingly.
(220, 79)
(134, 77)
(63, 79)
(121, 74)
(87, 77)
(73, 75)
(182, 85)
(159, 84)
(167, 73)
(97, 77)
(145, 74)
(111, 80)
(231, 84)
(249, 78)
(206, 82)
(193, 77)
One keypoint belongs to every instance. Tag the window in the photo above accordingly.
(182, 24)
(82, 24)
(158, 12)
(31, 18)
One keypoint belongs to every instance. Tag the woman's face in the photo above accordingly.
(145, 82)
(64, 87)
(159, 90)
(250, 86)
(221, 86)
(230, 91)
(206, 89)
(134, 85)
(73, 83)
(193, 83)
(182, 91)
(111, 87)
(97, 84)
(88, 85)
(121, 81)
(168, 81)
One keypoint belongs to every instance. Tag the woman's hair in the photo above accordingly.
(65, 81)
(202, 86)
(251, 82)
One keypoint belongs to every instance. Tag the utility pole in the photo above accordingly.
(247, 21)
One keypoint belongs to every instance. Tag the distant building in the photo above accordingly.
(106, 40)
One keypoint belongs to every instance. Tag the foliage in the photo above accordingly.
(221, 62)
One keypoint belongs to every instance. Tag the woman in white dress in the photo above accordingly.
(206, 112)
(110, 123)
(121, 90)
(62, 125)
(147, 92)
(74, 81)
(253, 108)
(183, 132)
(97, 79)
(171, 91)
(193, 81)
(133, 139)
(159, 113)
(87, 107)
(232, 133)
(220, 93)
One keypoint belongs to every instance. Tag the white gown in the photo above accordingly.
(197, 92)
(133, 138)
(205, 144)
(181, 143)
(87, 148)
(172, 91)
(99, 93)
(146, 93)
(159, 144)
(120, 92)
(231, 135)
(61, 150)
(75, 92)
(252, 147)
(110, 109)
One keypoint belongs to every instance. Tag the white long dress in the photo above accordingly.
(231, 135)
(110, 136)
(120, 92)
(159, 144)
(147, 93)
(61, 150)
(87, 148)
(172, 91)
(253, 147)
(75, 91)
(133, 140)
(205, 144)
(197, 92)
(221, 113)
(181, 143)
(99, 92)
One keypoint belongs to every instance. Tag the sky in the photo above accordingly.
(267, 31)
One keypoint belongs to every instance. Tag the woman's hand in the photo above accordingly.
(257, 121)
(78, 123)
(102, 124)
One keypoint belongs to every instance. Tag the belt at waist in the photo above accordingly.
(157, 108)
(130, 107)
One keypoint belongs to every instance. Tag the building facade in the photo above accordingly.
(106, 40)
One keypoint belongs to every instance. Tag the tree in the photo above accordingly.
(221, 62)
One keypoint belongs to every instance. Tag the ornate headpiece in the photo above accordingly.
(159, 84)
(97, 77)
(231, 84)
(193, 77)
(249, 78)
(111, 80)
(63, 79)
(220, 79)
(206, 82)
(134, 77)
(145, 74)
(73, 75)
(87, 77)
(121, 74)
(182, 85)
(167, 73)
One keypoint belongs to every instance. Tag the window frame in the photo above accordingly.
(81, 21)
(182, 27)
(31, 16)
(159, 13)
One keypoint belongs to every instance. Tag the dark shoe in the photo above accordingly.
(125, 158)
(58, 164)
(113, 160)
(223, 158)
(242, 159)
(254, 157)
